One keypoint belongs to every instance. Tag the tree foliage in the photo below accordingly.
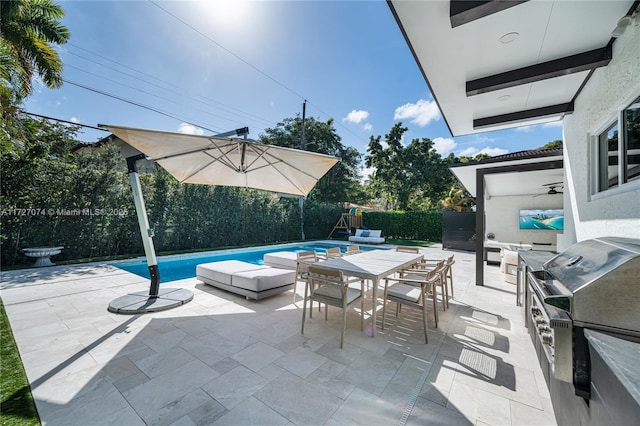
(28, 29)
(341, 183)
(553, 144)
(408, 177)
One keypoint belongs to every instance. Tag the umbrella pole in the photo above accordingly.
(156, 300)
(143, 221)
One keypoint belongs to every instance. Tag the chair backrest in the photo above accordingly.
(451, 260)
(353, 249)
(308, 256)
(318, 272)
(333, 252)
(408, 249)
(304, 258)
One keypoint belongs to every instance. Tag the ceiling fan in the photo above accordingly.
(552, 188)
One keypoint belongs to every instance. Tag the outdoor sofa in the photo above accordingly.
(367, 236)
(246, 279)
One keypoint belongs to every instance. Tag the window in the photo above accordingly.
(618, 150)
(608, 158)
(631, 117)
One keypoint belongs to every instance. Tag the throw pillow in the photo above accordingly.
(365, 233)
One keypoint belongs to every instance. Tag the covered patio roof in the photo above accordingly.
(498, 64)
(518, 173)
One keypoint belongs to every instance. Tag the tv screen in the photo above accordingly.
(549, 219)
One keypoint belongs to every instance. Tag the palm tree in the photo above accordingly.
(27, 30)
(458, 200)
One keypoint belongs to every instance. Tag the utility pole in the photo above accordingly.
(302, 146)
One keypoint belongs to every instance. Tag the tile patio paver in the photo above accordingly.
(221, 359)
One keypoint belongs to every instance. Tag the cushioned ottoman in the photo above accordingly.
(261, 280)
(246, 279)
(282, 259)
(221, 271)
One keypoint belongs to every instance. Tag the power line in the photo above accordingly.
(234, 110)
(63, 121)
(153, 94)
(156, 110)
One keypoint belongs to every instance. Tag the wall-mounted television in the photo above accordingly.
(543, 219)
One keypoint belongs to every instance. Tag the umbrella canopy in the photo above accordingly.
(211, 160)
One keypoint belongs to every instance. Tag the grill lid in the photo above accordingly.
(598, 282)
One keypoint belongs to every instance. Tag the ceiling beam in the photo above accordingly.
(465, 11)
(558, 67)
(520, 116)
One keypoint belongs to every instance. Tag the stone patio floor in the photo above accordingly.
(224, 360)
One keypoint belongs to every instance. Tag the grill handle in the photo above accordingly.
(574, 260)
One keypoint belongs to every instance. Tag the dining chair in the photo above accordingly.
(413, 290)
(333, 252)
(330, 287)
(304, 259)
(426, 268)
(449, 273)
(353, 249)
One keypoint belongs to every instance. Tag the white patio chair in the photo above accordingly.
(413, 290)
(329, 286)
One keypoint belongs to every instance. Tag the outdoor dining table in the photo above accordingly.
(372, 265)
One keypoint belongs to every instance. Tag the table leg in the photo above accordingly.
(374, 308)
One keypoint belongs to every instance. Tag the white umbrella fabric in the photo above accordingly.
(211, 160)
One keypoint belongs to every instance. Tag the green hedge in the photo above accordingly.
(412, 225)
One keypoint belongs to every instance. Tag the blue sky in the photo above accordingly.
(214, 66)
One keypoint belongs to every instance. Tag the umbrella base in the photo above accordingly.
(140, 302)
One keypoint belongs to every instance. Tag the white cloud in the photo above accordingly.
(525, 129)
(367, 127)
(190, 129)
(492, 152)
(444, 146)
(421, 113)
(356, 116)
(75, 119)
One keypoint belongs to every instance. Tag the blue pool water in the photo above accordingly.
(181, 267)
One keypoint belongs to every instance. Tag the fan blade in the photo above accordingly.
(554, 184)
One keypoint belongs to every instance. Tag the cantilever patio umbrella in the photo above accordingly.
(208, 160)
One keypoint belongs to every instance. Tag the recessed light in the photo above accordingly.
(504, 98)
(509, 37)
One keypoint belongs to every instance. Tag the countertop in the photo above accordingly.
(535, 259)
(621, 356)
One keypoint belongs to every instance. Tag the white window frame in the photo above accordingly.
(622, 187)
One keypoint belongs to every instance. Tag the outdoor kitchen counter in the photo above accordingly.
(615, 377)
(529, 261)
(535, 259)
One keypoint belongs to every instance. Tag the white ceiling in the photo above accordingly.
(512, 183)
(547, 30)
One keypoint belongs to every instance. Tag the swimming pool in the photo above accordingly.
(174, 268)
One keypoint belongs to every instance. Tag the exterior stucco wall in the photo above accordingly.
(502, 218)
(609, 90)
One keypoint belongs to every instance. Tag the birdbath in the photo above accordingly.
(42, 255)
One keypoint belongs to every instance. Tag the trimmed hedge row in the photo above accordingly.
(411, 225)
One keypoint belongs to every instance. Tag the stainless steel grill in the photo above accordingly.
(594, 284)
(598, 283)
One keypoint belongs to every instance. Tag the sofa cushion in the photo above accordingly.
(263, 279)
(281, 259)
(221, 271)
